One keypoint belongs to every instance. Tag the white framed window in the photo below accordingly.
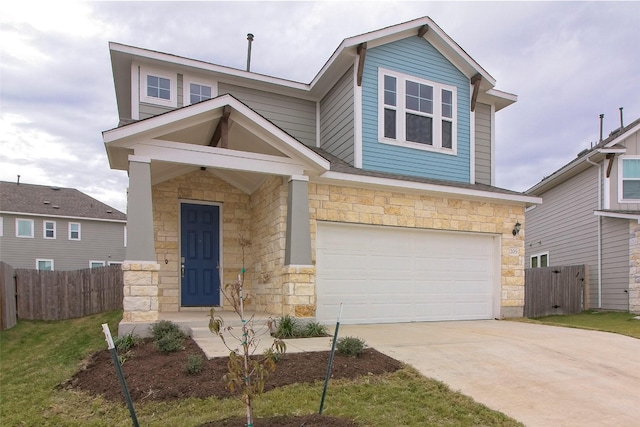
(48, 229)
(75, 231)
(539, 260)
(158, 87)
(24, 228)
(628, 179)
(416, 113)
(197, 89)
(44, 264)
(115, 263)
(96, 264)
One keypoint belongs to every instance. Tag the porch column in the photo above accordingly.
(298, 238)
(140, 269)
(140, 245)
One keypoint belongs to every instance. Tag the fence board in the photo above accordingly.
(554, 290)
(57, 295)
(8, 311)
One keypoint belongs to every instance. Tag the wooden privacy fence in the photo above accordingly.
(7, 297)
(57, 295)
(554, 290)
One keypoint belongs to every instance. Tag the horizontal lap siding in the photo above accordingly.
(336, 119)
(615, 263)
(414, 56)
(565, 226)
(483, 144)
(100, 241)
(295, 116)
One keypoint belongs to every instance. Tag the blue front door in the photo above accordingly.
(200, 255)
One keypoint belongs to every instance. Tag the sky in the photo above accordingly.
(568, 62)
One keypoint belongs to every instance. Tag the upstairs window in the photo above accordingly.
(24, 228)
(49, 229)
(416, 113)
(74, 231)
(158, 87)
(629, 182)
(199, 93)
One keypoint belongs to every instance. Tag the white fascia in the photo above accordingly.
(618, 215)
(370, 181)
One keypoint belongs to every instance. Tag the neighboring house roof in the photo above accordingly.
(594, 154)
(42, 200)
(343, 58)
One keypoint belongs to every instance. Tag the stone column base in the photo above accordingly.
(299, 298)
(140, 303)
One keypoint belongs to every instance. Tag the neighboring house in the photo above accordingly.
(54, 228)
(371, 186)
(591, 215)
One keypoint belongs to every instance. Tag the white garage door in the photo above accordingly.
(393, 274)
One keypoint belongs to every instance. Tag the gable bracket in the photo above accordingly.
(362, 52)
(475, 81)
(423, 30)
(610, 156)
(222, 130)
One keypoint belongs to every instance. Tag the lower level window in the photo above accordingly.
(95, 264)
(540, 260)
(44, 264)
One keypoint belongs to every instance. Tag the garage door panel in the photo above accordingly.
(394, 274)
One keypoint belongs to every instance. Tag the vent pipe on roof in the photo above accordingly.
(601, 118)
(621, 121)
(250, 40)
(18, 182)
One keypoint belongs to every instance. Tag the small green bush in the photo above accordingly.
(271, 354)
(287, 327)
(170, 342)
(126, 342)
(315, 329)
(165, 327)
(194, 364)
(350, 346)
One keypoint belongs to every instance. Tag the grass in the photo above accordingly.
(37, 356)
(606, 321)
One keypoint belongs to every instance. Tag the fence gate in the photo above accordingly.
(554, 290)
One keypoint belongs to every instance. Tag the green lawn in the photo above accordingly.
(37, 356)
(606, 321)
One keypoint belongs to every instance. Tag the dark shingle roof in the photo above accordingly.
(339, 165)
(54, 201)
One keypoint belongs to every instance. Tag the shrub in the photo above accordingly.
(171, 341)
(126, 342)
(287, 327)
(165, 327)
(315, 329)
(350, 346)
(194, 364)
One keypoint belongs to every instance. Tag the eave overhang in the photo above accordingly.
(365, 181)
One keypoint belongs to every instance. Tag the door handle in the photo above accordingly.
(182, 267)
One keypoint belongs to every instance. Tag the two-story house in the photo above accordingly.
(591, 216)
(55, 228)
(372, 186)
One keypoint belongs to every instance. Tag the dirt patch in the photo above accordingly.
(152, 375)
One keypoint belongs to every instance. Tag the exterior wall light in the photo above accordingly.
(516, 229)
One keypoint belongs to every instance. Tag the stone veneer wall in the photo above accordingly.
(634, 267)
(198, 186)
(377, 207)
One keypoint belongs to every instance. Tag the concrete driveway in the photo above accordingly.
(539, 375)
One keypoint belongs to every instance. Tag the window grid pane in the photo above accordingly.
(447, 135)
(158, 87)
(390, 90)
(419, 129)
(447, 103)
(419, 97)
(631, 189)
(631, 168)
(389, 123)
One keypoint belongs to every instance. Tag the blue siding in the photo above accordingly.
(416, 57)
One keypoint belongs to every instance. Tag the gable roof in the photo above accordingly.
(343, 57)
(594, 154)
(42, 200)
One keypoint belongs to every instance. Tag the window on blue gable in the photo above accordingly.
(416, 113)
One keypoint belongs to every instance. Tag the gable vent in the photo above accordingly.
(46, 202)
